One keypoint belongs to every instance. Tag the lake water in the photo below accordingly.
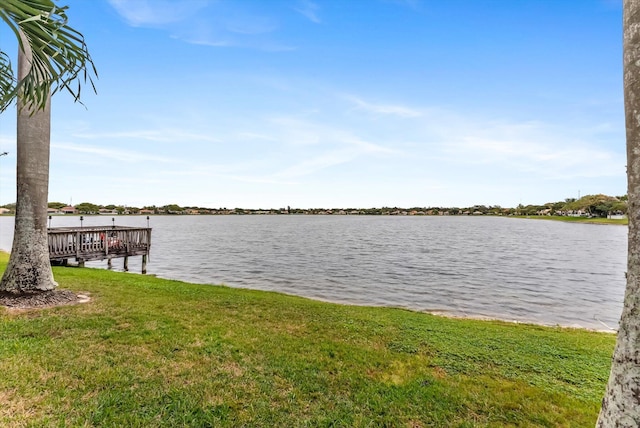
(515, 269)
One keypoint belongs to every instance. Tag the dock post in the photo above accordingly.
(144, 264)
(126, 263)
(109, 263)
(80, 262)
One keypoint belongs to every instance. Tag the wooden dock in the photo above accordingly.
(99, 243)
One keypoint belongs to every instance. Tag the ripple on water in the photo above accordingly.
(525, 270)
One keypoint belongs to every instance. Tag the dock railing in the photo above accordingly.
(99, 243)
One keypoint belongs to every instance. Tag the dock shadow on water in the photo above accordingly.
(514, 269)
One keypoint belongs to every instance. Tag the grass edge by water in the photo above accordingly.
(583, 220)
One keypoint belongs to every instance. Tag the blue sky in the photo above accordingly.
(339, 103)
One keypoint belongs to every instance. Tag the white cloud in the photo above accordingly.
(368, 147)
(140, 13)
(529, 147)
(310, 10)
(298, 132)
(318, 163)
(251, 25)
(208, 42)
(255, 136)
(109, 153)
(384, 109)
(155, 135)
(222, 39)
(205, 22)
(330, 146)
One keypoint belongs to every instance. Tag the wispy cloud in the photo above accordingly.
(255, 136)
(312, 165)
(251, 24)
(315, 146)
(205, 41)
(390, 109)
(233, 35)
(309, 9)
(155, 135)
(139, 13)
(206, 22)
(221, 172)
(110, 153)
(367, 146)
(529, 147)
(299, 132)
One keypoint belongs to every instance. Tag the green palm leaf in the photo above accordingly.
(60, 58)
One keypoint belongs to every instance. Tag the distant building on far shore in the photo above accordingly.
(68, 210)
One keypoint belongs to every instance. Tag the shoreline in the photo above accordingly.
(579, 220)
(451, 314)
(447, 313)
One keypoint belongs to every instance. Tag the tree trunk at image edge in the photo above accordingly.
(621, 403)
(29, 268)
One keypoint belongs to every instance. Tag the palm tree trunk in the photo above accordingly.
(621, 403)
(29, 268)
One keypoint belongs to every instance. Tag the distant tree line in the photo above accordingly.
(587, 206)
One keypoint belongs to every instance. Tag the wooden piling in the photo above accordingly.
(144, 264)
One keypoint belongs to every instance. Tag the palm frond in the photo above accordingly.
(59, 55)
(7, 79)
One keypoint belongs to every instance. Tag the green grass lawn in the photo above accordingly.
(622, 221)
(149, 352)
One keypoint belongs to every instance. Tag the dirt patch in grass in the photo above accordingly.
(45, 299)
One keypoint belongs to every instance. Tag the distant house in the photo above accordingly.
(53, 211)
(68, 210)
(4, 211)
(146, 211)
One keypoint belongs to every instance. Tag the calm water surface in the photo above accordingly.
(526, 270)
